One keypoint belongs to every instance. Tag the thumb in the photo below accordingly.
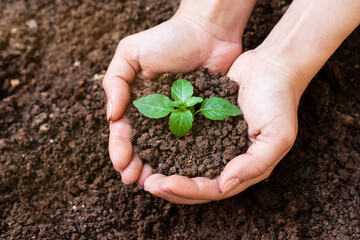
(258, 162)
(117, 80)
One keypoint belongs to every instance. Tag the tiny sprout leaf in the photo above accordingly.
(178, 104)
(154, 106)
(218, 109)
(180, 122)
(181, 90)
(193, 101)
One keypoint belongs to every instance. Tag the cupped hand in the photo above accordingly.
(268, 96)
(182, 44)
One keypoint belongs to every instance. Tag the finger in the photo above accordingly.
(192, 188)
(242, 186)
(132, 172)
(120, 147)
(144, 174)
(262, 155)
(120, 74)
(152, 185)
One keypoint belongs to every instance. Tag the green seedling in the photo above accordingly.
(182, 109)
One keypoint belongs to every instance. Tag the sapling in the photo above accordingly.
(182, 109)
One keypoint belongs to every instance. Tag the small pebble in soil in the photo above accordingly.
(32, 24)
(14, 82)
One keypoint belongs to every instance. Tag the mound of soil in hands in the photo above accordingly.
(209, 145)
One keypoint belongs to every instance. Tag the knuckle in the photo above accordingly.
(260, 169)
(119, 164)
(127, 178)
(103, 83)
(106, 83)
(124, 44)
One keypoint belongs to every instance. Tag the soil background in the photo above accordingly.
(57, 181)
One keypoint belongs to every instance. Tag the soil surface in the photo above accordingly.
(209, 145)
(57, 181)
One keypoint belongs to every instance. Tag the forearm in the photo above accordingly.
(226, 16)
(309, 33)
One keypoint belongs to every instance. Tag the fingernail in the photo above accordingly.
(108, 111)
(147, 185)
(231, 184)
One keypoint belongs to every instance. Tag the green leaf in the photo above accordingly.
(181, 90)
(180, 122)
(218, 109)
(178, 104)
(193, 101)
(154, 106)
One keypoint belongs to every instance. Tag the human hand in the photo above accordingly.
(186, 42)
(272, 79)
(268, 96)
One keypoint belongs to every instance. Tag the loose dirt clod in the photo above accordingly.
(44, 128)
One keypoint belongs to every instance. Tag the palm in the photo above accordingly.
(266, 93)
(179, 45)
(269, 100)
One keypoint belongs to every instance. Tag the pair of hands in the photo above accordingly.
(268, 96)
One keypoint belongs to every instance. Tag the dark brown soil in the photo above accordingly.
(209, 145)
(57, 181)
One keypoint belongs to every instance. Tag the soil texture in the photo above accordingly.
(57, 181)
(209, 145)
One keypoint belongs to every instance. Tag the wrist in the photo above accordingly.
(225, 18)
(308, 34)
(279, 55)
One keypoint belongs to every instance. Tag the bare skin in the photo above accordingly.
(271, 78)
